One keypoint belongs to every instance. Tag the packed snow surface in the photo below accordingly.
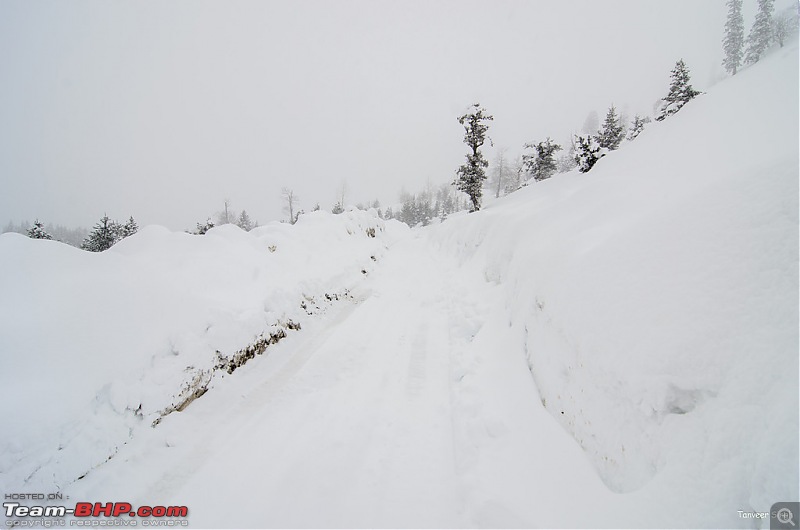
(610, 349)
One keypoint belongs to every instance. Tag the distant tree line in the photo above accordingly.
(540, 160)
(70, 236)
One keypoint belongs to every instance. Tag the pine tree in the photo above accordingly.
(408, 214)
(472, 174)
(37, 231)
(680, 91)
(587, 152)
(128, 229)
(542, 164)
(103, 236)
(637, 126)
(244, 222)
(337, 208)
(760, 36)
(613, 132)
(734, 37)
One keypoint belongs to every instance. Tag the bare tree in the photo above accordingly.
(342, 192)
(227, 215)
(291, 198)
(783, 25)
(499, 171)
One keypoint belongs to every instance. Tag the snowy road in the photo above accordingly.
(410, 407)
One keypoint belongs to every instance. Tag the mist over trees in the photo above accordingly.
(733, 43)
(760, 36)
(433, 203)
(71, 236)
(532, 162)
(244, 222)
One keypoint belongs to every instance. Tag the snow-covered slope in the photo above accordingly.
(658, 298)
(611, 349)
(94, 346)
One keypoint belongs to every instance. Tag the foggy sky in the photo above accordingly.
(161, 110)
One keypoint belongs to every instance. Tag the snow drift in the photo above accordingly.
(96, 345)
(658, 297)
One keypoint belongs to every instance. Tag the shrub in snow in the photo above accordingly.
(587, 152)
(637, 126)
(542, 164)
(202, 228)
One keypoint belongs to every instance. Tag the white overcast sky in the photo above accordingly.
(161, 110)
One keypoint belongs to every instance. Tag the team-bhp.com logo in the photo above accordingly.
(90, 514)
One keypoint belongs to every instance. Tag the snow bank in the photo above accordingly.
(658, 295)
(93, 346)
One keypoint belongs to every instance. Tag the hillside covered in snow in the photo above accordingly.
(616, 348)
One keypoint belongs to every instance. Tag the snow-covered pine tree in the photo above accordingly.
(587, 152)
(472, 174)
(129, 228)
(733, 43)
(37, 231)
(337, 208)
(542, 163)
(202, 228)
(680, 91)
(244, 222)
(103, 236)
(760, 36)
(613, 132)
(637, 126)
